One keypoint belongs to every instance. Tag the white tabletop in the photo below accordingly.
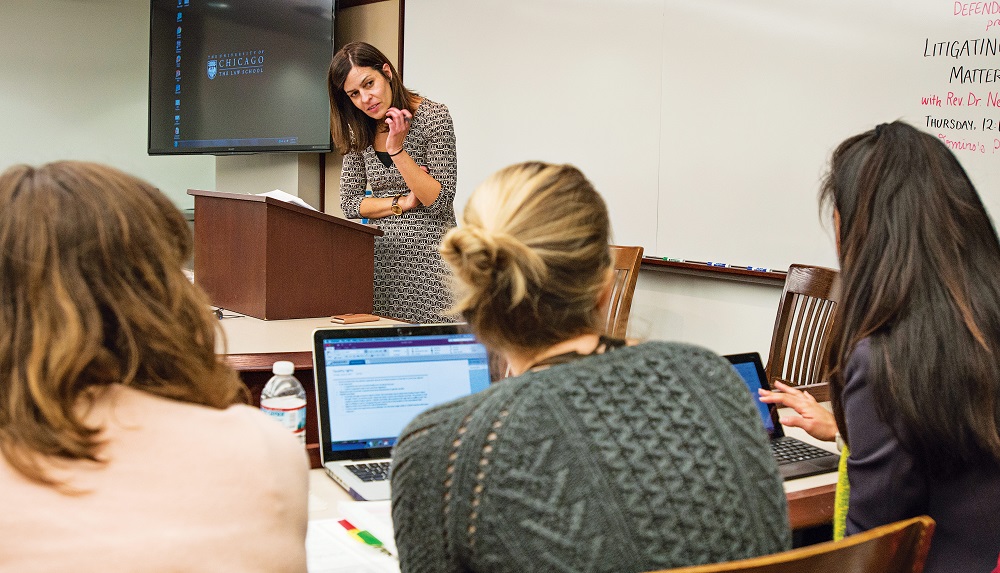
(324, 495)
(249, 335)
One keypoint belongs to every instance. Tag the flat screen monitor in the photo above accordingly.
(239, 76)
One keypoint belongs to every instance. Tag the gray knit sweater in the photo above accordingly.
(641, 458)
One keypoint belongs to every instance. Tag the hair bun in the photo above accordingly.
(493, 262)
(471, 252)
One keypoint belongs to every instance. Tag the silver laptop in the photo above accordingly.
(371, 382)
(795, 458)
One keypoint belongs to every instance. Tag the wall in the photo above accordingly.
(75, 87)
(75, 76)
(725, 316)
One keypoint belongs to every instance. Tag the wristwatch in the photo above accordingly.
(395, 208)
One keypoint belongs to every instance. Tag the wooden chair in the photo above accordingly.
(899, 547)
(802, 328)
(625, 261)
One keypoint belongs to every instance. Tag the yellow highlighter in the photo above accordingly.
(364, 537)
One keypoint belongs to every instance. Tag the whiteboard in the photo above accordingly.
(707, 124)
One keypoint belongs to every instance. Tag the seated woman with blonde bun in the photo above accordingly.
(123, 446)
(598, 455)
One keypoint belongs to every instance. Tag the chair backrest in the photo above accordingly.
(625, 261)
(899, 547)
(803, 324)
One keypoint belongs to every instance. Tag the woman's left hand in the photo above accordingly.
(399, 125)
(409, 202)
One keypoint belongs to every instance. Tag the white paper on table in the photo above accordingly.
(372, 516)
(287, 197)
(331, 549)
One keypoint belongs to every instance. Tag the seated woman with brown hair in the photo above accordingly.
(123, 445)
(598, 455)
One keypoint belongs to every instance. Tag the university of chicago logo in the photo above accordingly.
(213, 69)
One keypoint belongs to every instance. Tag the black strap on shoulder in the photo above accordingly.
(604, 344)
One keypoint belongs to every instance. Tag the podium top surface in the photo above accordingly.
(370, 229)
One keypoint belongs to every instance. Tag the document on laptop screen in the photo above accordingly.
(375, 389)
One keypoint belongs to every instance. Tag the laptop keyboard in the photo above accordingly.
(378, 471)
(787, 450)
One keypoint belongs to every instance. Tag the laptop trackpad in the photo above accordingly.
(808, 467)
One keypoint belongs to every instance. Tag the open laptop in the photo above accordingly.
(795, 458)
(371, 382)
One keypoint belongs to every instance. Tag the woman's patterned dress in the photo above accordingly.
(411, 280)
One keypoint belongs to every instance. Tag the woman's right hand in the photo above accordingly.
(399, 125)
(812, 417)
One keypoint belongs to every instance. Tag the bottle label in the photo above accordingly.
(290, 411)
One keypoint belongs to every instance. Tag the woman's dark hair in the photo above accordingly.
(351, 128)
(919, 260)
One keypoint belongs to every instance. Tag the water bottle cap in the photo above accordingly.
(283, 368)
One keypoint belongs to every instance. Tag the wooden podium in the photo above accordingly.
(274, 260)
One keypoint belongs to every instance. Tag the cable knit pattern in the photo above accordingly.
(645, 457)
(411, 279)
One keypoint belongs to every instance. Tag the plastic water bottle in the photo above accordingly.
(284, 399)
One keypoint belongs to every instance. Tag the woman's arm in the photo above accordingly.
(432, 185)
(354, 203)
(886, 485)
(353, 180)
(418, 474)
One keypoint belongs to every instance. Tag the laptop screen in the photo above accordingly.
(375, 381)
(750, 369)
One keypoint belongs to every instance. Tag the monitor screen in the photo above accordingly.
(238, 76)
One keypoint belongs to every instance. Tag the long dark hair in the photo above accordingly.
(919, 260)
(351, 128)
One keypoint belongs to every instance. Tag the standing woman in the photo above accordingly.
(914, 363)
(403, 147)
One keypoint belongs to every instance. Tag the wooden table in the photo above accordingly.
(252, 346)
(810, 499)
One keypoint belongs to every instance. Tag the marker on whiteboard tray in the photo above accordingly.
(717, 265)
(749, 268)
(672, 260)
(754, 268)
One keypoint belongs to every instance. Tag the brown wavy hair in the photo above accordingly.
(92, 293)
(531, 257)
(919, 257)
(350, 128)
